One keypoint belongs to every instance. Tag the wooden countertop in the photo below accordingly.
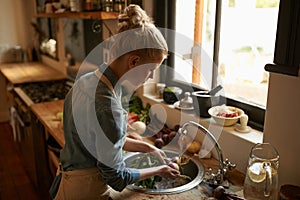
(17, 73)
(46, 113)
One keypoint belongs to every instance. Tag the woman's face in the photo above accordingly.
(141, 71)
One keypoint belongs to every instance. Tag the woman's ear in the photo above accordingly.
(133, 61)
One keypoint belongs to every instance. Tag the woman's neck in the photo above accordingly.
(119, 66)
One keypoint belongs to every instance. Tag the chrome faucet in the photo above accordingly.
(224, 166)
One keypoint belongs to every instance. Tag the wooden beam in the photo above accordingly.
(199, 13)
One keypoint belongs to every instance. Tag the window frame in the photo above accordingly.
(287, 45)
(164, 17)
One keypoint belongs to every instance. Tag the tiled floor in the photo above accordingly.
(14, 182)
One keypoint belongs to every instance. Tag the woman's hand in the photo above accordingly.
(169, 172)
(160, 154)
(162, 170)
(133, 145)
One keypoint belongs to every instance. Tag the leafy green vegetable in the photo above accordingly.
(149, 182)
(136, 106)
(168, 89)
(146, 161)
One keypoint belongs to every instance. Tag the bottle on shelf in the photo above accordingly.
(75, 5)
(108, 6)
(88, 5)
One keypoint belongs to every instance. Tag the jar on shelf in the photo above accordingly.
(119, 5)
(108, 5)
(75, 5)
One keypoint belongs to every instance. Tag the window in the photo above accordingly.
(235, 40)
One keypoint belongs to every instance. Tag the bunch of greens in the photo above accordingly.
(149, 182)
(136, 106)
(146, 161)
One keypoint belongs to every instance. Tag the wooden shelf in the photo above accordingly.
(80, 15)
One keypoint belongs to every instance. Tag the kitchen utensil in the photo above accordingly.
(203, 101)
(215, 90)
(185, 103)
(177, 105)
(242, 127)
(261, 180)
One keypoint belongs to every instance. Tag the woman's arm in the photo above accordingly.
(133, 145)
(163, 170)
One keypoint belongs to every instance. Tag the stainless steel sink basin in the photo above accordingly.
(194, 169)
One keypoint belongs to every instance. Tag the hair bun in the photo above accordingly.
(132, 17)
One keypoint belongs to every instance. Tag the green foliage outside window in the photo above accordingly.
(267, 3)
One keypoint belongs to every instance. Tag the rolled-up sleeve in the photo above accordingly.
(118, 180)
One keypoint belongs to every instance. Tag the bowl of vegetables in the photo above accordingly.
(225, 115)
(192, 173)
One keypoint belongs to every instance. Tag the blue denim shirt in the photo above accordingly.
(95, 129)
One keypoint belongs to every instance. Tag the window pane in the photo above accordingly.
(185, 37)
(247, 41)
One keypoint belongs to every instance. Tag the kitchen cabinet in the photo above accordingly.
(45, 114)
(18, 73)
(4, 100)
(39, 165)
(29, 133)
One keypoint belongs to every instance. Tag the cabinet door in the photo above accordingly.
(44, 179)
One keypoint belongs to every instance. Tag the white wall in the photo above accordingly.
(15, 17)
(282, 125)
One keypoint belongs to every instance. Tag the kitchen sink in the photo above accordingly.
(194, 169)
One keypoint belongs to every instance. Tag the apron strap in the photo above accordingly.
(105, 80)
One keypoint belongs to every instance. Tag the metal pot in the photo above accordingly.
(203, 102)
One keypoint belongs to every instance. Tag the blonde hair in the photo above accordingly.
(132, 17)
(137, 33)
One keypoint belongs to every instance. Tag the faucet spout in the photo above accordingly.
(219, 177)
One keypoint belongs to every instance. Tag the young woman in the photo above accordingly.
(95, 122)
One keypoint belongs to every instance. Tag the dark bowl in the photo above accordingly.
(203, 102)
(172, 94)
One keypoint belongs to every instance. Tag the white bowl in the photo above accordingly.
(225, 121)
